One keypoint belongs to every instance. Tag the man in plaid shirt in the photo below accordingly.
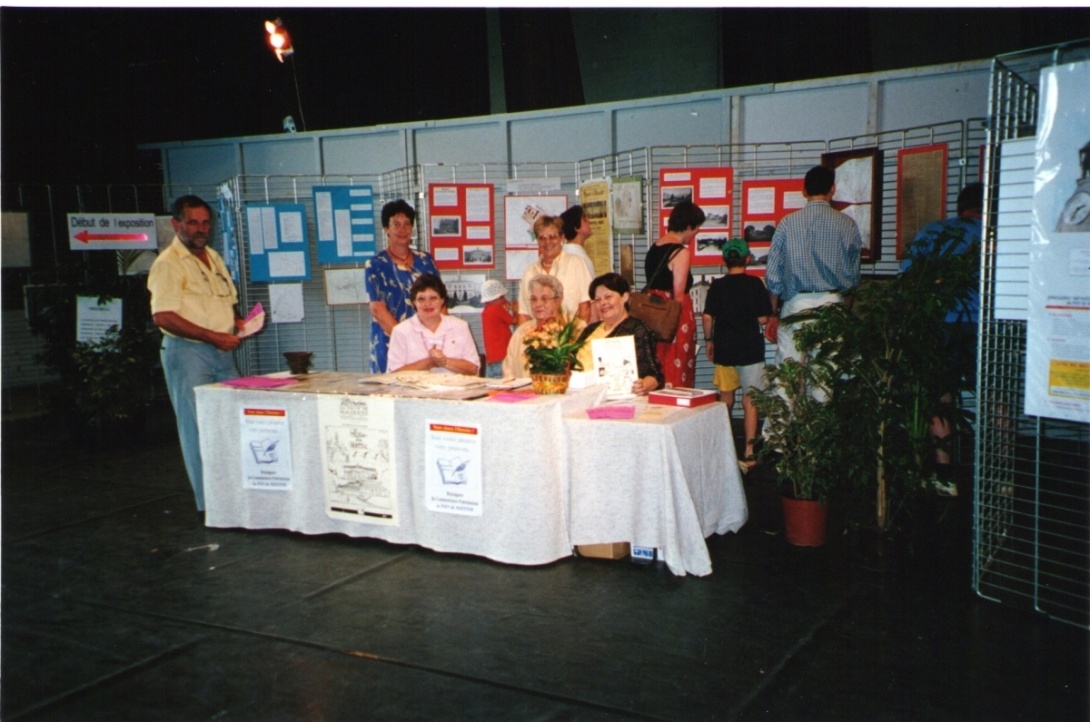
(814, 258)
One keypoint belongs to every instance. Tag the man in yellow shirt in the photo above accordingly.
(193, 301)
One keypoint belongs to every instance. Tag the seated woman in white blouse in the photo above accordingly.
(430, 340)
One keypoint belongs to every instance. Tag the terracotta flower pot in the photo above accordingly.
(804, 521)
(550, 383)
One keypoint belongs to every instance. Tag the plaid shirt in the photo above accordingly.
(813, 250)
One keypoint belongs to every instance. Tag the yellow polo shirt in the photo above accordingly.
(180, 283)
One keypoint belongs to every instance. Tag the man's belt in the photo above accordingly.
(812, 292)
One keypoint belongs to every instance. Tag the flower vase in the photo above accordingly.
(550, 383)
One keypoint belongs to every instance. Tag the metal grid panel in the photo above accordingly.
(338, 335)
(964, 139)
(1031, 503)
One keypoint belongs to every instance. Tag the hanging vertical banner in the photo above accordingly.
(764, 203)
(344, 217)
(594, 197)
(712, 190)
(452, 464)
(1058, 328)
(266, 448)
(462, 225)
(358, 458)
(278, 243)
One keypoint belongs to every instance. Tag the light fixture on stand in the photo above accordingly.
(280, 41)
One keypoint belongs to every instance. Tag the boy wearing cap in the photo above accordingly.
(496, 320)
(736, 307)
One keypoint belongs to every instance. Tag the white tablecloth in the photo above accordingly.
(551, 477)
(667, 479)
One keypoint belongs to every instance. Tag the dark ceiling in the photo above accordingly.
(82, 88)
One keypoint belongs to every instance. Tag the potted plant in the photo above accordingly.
(106, 386)
(891, 351)
(804, 437)
(551, 353)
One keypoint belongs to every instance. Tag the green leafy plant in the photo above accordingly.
(891, 352)
(803, 435)
(111, 380)
(553, 347)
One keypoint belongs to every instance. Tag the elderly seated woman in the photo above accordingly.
(430, 340)
(546, 296)
(610, 293)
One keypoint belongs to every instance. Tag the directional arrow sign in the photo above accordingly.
(111, 231)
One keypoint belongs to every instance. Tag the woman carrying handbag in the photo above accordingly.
(668, 274)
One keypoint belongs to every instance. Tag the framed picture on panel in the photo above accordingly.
(859, 193)
(921, 190)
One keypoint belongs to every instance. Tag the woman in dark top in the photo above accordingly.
(677, 358)
(609, 293)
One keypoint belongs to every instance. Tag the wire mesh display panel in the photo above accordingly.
(337, 335)
(790, 160)
(1031, 502)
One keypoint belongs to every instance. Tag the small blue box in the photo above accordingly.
(643, 553)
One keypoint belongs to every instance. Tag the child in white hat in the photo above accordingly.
(498, 316)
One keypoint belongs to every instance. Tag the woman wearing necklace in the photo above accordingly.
(430, 340)
(390, 275)
(611, 301)
(674, 280)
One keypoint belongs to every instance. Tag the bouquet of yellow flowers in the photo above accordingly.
(553, 347)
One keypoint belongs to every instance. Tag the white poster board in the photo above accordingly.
(1058, 330)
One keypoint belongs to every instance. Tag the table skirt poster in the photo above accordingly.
(358, 459)
(1058, 328)
(265, 436)
(452, 466)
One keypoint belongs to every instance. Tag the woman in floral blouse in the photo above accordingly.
(390, 275)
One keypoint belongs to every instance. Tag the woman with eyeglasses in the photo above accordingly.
(546, 293)
(432, 340)
(565, 267)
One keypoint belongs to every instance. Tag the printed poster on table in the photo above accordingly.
(519, 213)
(1058, 327)
(711, 189)
(278, 243)
(461, 225)
(594, 197)
(452, 465)
(764, 203)
(358, 458)
(265, 436)
(615, 365)
(344, 217)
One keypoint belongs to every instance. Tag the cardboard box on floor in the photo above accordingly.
(609, 551)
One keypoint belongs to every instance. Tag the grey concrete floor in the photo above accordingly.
(117, 604)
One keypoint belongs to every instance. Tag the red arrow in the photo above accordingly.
(86, 237)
